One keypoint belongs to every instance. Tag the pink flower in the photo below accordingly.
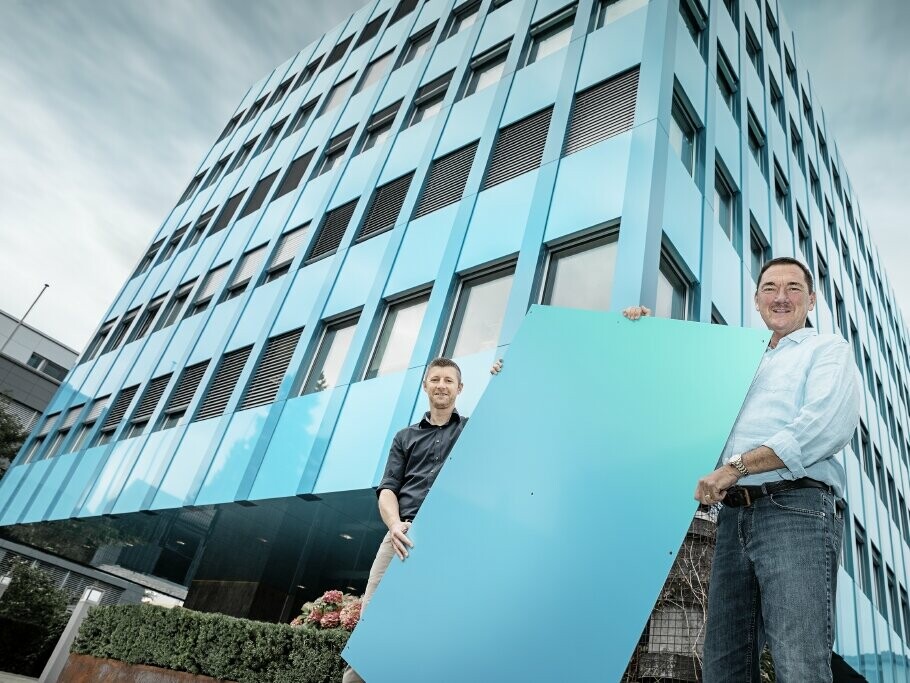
(333, 597)
(298, 621)
(349, 616)
(329, 620)
(314, 616)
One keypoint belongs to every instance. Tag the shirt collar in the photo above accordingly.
(799, 336)
(425, 421)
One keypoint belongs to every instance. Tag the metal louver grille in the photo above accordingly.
(263, 386)
(24, 415)
(228, 212)
(287, 248)
(212, 283)
(71, 416)
(119, 408)
(446, 180)
(294, 174)
(249, 265)
(48, 423)
(386, 206)
(370, 30)
(97, 408)
(186, 388)
(150, 398)
(519, 148)
(602, 111)
(333, 227)
(223, 383)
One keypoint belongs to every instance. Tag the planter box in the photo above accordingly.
(85, 669)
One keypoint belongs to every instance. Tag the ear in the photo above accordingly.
(812, 301)
(755, 301)
(460, 387)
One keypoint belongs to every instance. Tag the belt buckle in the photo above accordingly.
(738, 497)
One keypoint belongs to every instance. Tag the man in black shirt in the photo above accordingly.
(415, 458)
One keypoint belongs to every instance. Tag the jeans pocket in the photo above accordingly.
(808, 502)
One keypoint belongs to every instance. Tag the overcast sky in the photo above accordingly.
(108, 105)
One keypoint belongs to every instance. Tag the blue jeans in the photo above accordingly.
(773, 580)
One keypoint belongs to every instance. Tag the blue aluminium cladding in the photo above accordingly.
(762, 142)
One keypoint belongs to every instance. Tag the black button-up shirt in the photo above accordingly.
(416, 456)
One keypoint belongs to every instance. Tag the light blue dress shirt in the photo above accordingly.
(804, 405)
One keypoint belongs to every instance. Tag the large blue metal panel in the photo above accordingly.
(519, 495)
(30, 478)
(357, 276)
(421, 251)
(138, 484)
(612, 49)
(80, 476)
(728, 295)
(107, 486)
(467, 121)
(683, 213)
(185, 463)
(534, 87)
(232, 457)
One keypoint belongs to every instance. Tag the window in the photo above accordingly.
(782, 192)
(807, 112)
(88, 424)
(229, 128)
(216, 172)
(210, 286)
(791, 71)
(777, 99)
(753, 50)
(255, 109)
(429, 98)
(683, 136)
(171, 248)
(404, 8)
(223, 383)
(337, 94)
(487, 68)
(796, 146)
(418, 45)
(606, 11)
(191, 188)
(48, 367)
(550, 35)
(397, 336)
(385, 207)
(757, 143)
(285, 251)
(602, 111)
(725, 200)
(148, 317)
(42, 436)
(333, 348)
(518, 148)
(580, 274)
(840, 311)
(727, 83)
(693, 21)
(334, 151)
(149, 258)
(301, 117)
(370, 30)
(829, 221)
(815, 187)
(175, 305)
(246, 269)
(758, 250)
(379, 127)
(259, 194)
(478, 313)
(838, 187)
(92, 350)
(462, 18)
(33, 449)
(227, 213)
(905, 612)
(732, 10)
(773, 30)
(115, 415)
(446, 180)
(374, 71)
(266, 378)
(280, 92)
(147, 405)
(332, 230)
(307, 74)
(805, 238)
(878, 576)
(823, 148)
(824, 284)
(862, 559)
(294, 174)
(673, 295)
(63, 431)
(199, 228)
(336, 53)
(182, 395)
(122, 328)
(271, 136)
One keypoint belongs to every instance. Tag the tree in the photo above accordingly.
(11, 436)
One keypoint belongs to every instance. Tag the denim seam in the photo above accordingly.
(750, 650)
(813, 513)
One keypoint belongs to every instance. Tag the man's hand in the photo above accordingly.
(400, 540)
(497, 367)
(713, 487)
(636, 312)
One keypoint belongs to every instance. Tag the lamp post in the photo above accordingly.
(22, 319)
(90, 598)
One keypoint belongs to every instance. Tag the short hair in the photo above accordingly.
(443, 363)
(787, 261)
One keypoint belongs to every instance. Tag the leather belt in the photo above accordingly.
(744, 496)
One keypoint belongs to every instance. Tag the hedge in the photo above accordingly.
(212, 644)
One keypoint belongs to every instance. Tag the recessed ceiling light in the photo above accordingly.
(299, 586)
(347, 537)
(181, 542)
(262, 540)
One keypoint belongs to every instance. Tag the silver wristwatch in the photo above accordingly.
(736, 462)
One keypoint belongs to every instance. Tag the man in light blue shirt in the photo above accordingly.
(779, 530)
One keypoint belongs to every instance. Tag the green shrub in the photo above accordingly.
(212, 644)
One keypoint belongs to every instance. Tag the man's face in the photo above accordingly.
(783, 299)
(442, 387)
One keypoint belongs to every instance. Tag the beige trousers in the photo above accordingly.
(383, 559)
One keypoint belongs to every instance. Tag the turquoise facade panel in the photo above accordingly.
(189, 456)
(232, 457)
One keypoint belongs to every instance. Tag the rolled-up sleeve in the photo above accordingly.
(394, 468)
(828, 416)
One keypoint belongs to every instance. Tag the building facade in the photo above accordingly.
(406, 187)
